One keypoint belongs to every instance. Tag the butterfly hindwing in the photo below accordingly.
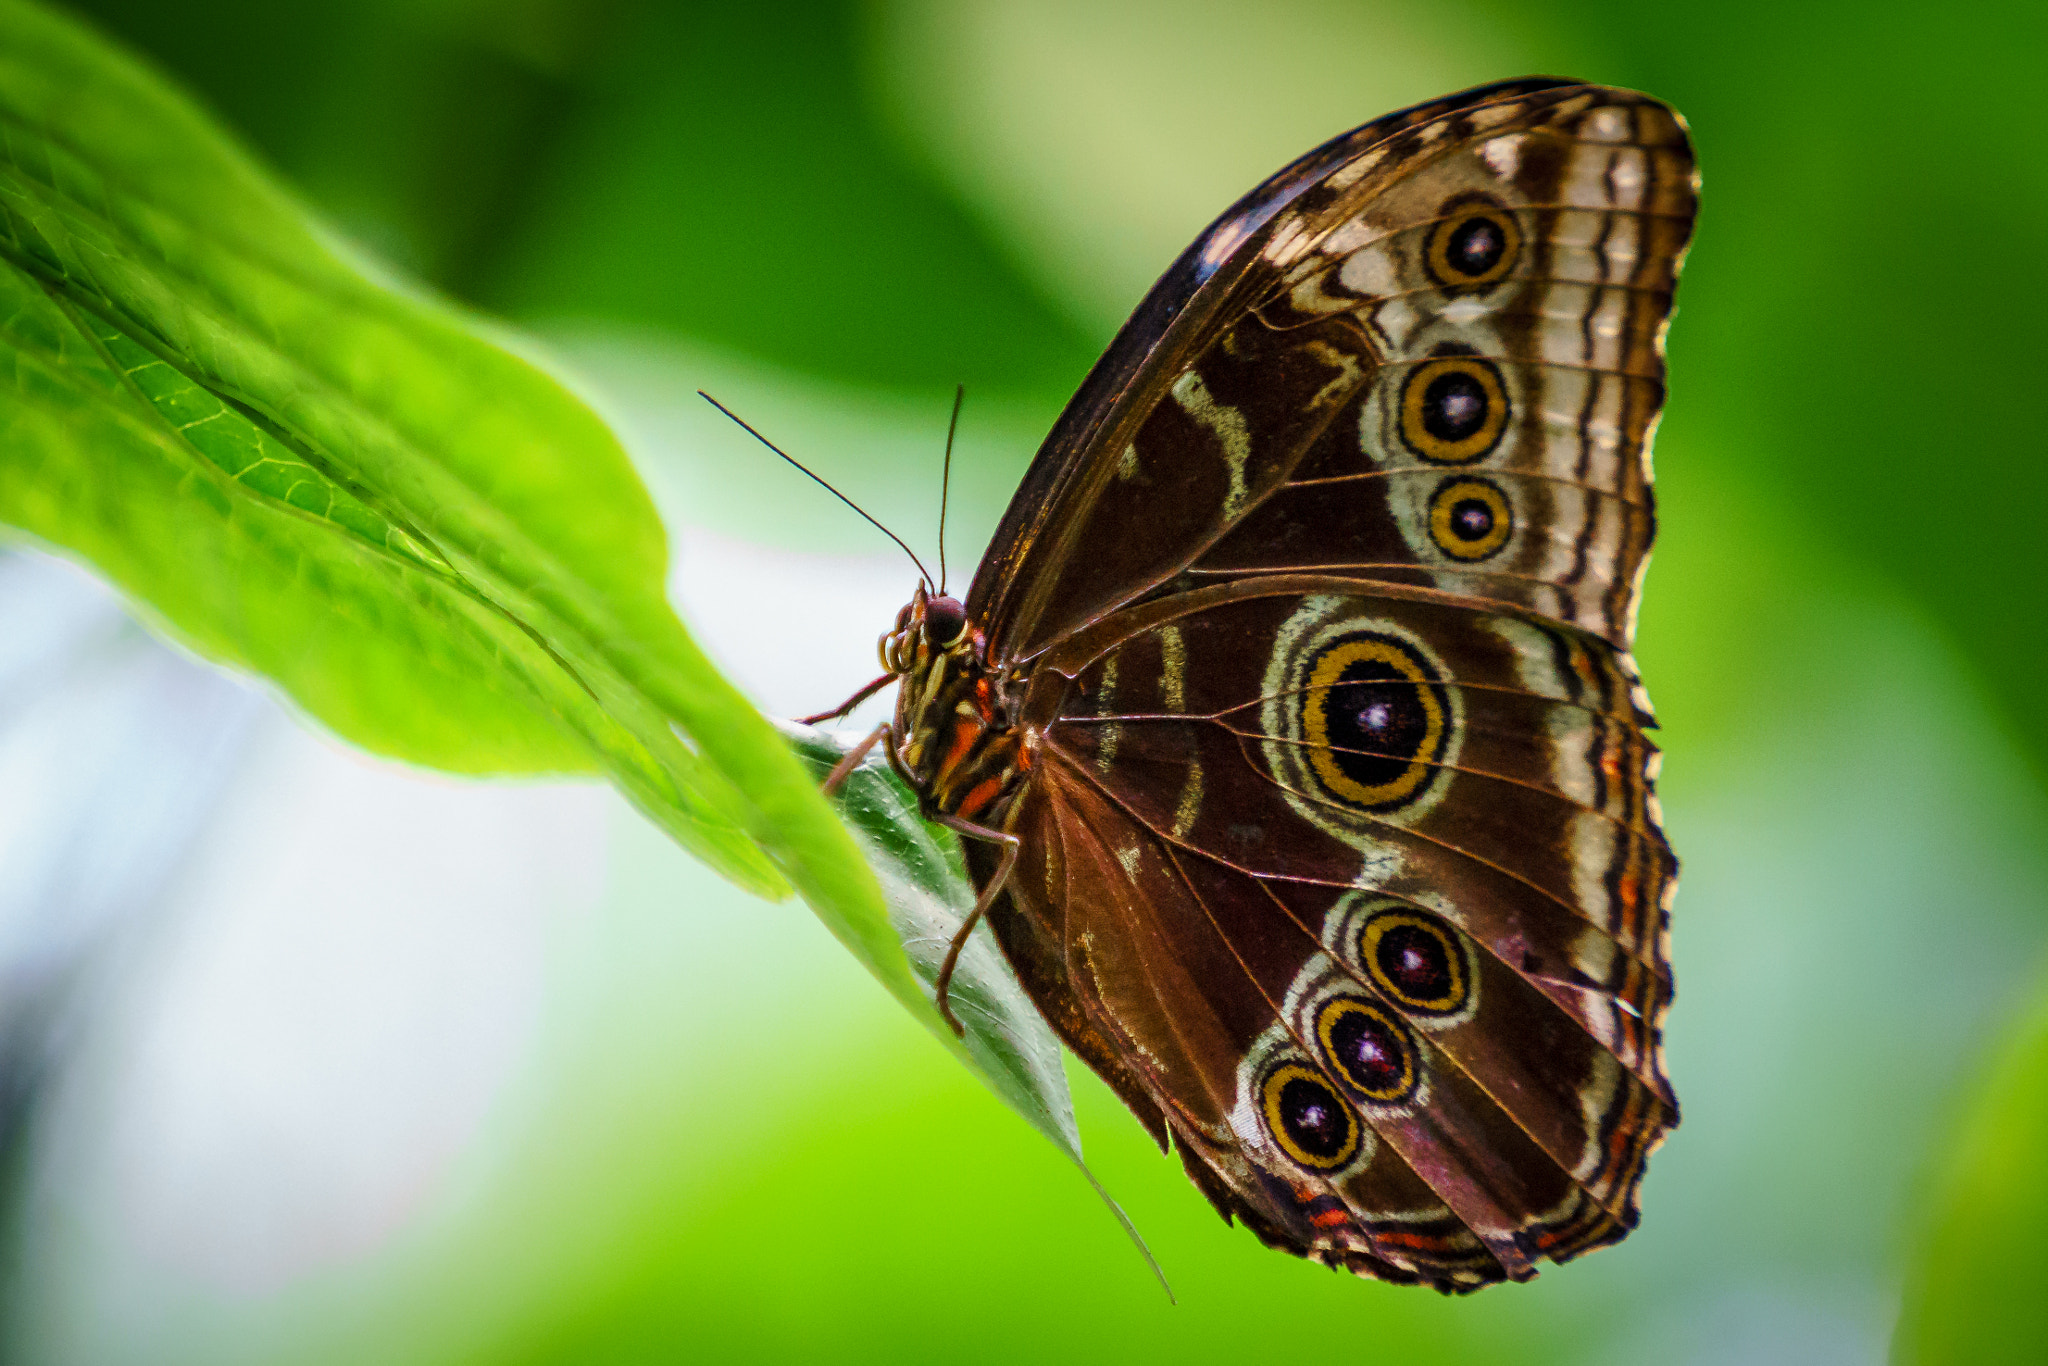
(1145, 959)
(1537, 1080)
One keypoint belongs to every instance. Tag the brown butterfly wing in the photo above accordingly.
(1341, 858)
(1061, 555)
(1160, 991)
(1311, 301)
(1539, 877)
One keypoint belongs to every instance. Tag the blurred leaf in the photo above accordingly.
(718, 171)
(1842, 224)
(1093, 133)
(727, 179)
(1975, 1294)
(429, 543)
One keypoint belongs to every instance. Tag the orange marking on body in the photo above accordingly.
(965, 733)
(980, 795)
(1331, 1218)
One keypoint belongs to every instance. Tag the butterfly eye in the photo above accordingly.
(1453, 409)
(1417, 961)
(945, 621)
(1470, 519)
(1307, 1118)
(1474, 245)
(1369, 1048)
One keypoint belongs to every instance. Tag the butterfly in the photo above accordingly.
(1290, 721)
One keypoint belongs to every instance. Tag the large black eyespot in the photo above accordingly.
(1307, 1118)
(1369, 1047)
(1475, 244)
(1453, 409)
(1417, 960)
(1470, 519)
(1453, 406)
(945, 620)
(1375, 719)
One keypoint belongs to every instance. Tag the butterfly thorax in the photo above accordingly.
(954, 741)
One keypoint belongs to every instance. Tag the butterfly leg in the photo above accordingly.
(853, 757)
(1012, 846)
(850, 703)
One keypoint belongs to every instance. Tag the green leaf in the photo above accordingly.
(928, 894)
(925, 883)
(428, 543)
(1975, 1291)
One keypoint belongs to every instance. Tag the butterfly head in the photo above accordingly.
(945, 623)
(929, 625)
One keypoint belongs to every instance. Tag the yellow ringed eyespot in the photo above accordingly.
(1307, 1118)
(1370, 1048)
(1475, 244)
(1470, 519)
(1374, 718)
(1453, 409)
(1417, 961)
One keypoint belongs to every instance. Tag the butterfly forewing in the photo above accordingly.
(1340, 856)
(1018, 593)
(1334, 284)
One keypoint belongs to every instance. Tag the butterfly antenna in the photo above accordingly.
(922, 572)
(946, 480)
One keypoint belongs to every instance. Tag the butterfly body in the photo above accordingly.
(956, 744)
(1290, 717)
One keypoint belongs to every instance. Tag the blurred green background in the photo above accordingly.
(718, 1141)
